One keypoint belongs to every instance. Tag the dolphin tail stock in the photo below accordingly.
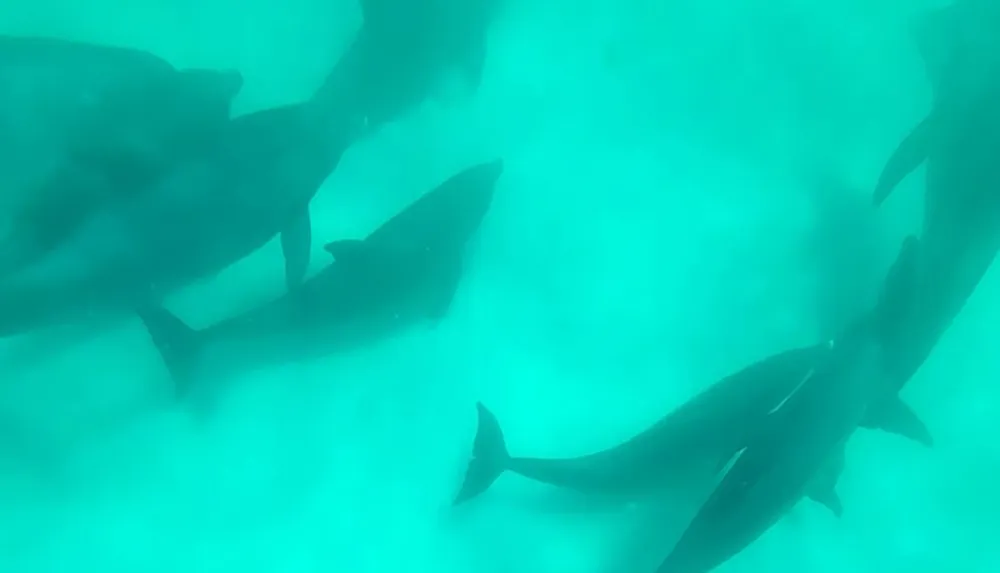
(178, 344)
(489, 457)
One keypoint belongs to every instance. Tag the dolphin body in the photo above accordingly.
(81, 124)
(406, 270)
(957, 141)
(793, 444)
(960, 238)
(710, 428)
(204, 214)
(403, 51)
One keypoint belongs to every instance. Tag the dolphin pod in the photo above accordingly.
(407, 269)
(780, 438)
(204, 210)
(141, 183)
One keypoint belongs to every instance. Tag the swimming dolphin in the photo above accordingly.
(798, 438)
(81, 124)
(404, 50)
(406, 270)
(957, 141)
(712, 426)
(204, 214)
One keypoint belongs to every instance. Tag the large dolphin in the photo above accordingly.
(798, 437)
(404, 50)
(406, 270)
(957, 141)
(709, 428)
(960, 238)
(81, 124)
(204, 214)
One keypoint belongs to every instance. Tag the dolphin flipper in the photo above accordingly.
(896, 417)
(909, 154)
(823, 489)
(489, 457)
(296, 242)
(828, 498)
(178, 343)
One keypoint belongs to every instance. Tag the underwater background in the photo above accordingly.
(686, 190)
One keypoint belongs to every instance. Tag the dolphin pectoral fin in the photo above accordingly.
(489, 457)
(909, 154)
(296, 241)
(896, 417)
(827, 497)
(179, 344)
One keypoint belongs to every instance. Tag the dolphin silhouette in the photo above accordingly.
(406, 270)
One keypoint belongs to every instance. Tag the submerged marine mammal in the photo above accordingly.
(796, 440)
(407, 269)
(957, 141)
(204, 214)
(710, 427)
(83, 124)
(403, 51)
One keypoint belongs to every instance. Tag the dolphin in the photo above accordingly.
(406, 270)
(81, 124)
(957, 142)
(403, 51)
(797, 439)
(708, 429)
(204, 214)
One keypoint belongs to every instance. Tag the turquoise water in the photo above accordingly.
(657, 227)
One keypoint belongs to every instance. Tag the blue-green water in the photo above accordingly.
(657, 227)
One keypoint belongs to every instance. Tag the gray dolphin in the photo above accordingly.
(796, 440)
(406, 270)
(205, 213)
(402, 52)
(710, 427)
(81, 124)
(957, 141)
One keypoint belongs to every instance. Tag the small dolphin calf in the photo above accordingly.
(799, 437)
(406, 270)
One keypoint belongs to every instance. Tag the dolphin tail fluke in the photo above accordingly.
(909, 154)
(896, 417)
(489, 457)
(178, 343)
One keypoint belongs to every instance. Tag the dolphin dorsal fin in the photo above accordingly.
(347, 250)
